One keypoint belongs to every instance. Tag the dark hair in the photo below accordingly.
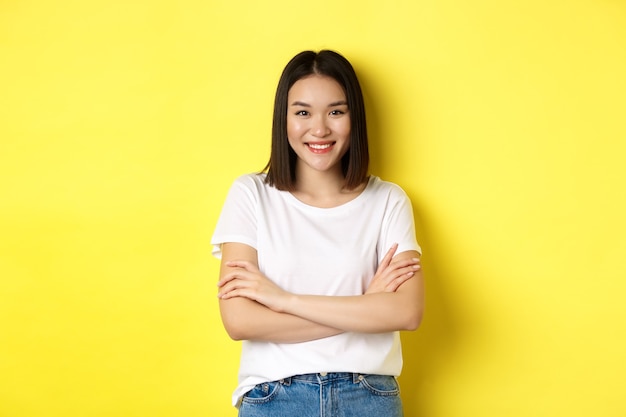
(281, 168)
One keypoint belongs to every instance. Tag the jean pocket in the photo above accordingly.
(380, 384)
(262, 393)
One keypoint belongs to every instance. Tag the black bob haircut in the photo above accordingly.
(281, 168)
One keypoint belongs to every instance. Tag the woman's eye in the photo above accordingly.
(302, 113)
(337, 112)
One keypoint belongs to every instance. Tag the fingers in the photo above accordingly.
(389, 255)
(225, 287)
(400, 272)
(233, 293)
(237, 274)
(233, 287)
(241, 264)
(398, 281)
(400, 276)
(388, 259)
(384, 263)
(413, 262)
(241, 281)
(243, 267)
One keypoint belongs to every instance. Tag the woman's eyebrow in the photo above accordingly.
(333, 104)
(300, 103)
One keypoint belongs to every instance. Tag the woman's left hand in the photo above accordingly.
(247, 281)
(391, 274)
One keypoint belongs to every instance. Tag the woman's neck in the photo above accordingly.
(323, 189)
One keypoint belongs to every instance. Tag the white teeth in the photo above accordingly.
(316, 146)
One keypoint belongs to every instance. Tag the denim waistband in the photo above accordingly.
(323, 377)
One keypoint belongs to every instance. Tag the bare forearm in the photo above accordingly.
(255, 308)
(248, 320)
(369, 313)
(245, 319)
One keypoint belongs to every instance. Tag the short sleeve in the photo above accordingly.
(398, 224)
(237, 221)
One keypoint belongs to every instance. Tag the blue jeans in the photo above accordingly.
(341, 394)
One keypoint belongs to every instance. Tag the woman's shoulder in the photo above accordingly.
(256, 186)
(251, 181)
(247, 188)
(378, 185)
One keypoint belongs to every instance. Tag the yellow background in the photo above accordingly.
(123, 123)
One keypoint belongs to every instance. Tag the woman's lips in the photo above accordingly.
(320, 147)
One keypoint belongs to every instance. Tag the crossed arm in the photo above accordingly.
(254, 308)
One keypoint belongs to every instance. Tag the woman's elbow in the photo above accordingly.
(234, 333)
(413, 320)
(237, 337)
(236, 318)
(237, 329)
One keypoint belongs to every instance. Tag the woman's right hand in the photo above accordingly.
(390, 275)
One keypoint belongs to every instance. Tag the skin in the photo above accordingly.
(318, 116)
(253, 307)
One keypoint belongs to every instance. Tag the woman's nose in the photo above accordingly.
(320, 127)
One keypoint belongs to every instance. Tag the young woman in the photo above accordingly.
(319, 262)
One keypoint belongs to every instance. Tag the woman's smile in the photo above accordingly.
(320, 147)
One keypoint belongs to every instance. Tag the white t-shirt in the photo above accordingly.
(317, 251)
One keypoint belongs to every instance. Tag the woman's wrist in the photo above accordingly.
(290, 304)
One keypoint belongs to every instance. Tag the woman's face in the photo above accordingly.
(318, 123)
